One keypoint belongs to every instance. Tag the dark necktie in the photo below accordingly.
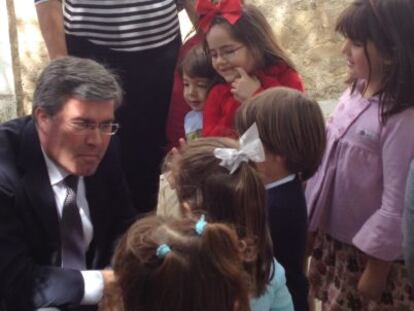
(73, 255)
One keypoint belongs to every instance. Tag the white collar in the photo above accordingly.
(279, 182)
(56, 173)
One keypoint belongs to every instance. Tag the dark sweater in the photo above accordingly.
(288, 227)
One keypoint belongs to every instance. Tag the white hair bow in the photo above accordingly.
(251, 148)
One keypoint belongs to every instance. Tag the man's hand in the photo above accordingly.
(245, 86)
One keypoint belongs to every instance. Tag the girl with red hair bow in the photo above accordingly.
(245, 53)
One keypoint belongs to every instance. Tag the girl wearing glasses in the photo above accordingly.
(245, 53)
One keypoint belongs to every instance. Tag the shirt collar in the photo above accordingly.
(56, 174)
(279, 182)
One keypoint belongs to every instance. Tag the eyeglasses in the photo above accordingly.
(227, 53)
(82, 127)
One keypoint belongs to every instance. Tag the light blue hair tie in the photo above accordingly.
(200, 225)
(162, 250)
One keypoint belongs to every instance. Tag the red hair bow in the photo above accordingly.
(230, 9)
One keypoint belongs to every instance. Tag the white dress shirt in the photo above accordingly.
(279, 182)
(93, 279)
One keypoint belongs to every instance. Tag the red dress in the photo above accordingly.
(221, 106)
(178, 107)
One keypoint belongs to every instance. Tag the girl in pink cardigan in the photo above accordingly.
(356, 199)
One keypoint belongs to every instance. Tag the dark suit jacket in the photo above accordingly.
(288, 227)
(30, 272)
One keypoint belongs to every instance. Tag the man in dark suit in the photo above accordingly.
(63, 198)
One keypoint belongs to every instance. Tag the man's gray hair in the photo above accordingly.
(74, 77)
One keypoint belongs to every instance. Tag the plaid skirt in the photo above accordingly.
(335, 270)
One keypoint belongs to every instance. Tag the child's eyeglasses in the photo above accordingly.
(82, 127)
(227, 54)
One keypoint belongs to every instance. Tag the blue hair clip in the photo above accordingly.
(200, 225)
(162, 250)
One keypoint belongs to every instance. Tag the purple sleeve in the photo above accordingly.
(408, 227)
(381, 235)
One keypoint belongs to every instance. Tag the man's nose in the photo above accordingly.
(94, 136)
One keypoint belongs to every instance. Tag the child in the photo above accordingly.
(292, 130)
(178, 108)
(198, 76)
(234, 195)
(356, 199)
(179, 265)
(245, 53)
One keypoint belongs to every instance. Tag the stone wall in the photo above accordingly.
(304, 28)
(306, 31)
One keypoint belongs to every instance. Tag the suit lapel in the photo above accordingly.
(96, 202)
(36, 184)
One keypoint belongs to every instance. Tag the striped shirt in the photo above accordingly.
(122, 25)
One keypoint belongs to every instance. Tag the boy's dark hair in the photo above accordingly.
(290, 125)
(389, 25)
(197, 64)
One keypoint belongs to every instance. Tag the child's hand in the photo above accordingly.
(245, 86)
(175, 154)
(111, 300)
(374, 278)
(176, 150)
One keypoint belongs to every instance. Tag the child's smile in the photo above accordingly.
(228, 54)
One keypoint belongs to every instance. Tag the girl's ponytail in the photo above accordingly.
(220, 246)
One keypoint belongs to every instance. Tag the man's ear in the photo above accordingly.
(42, 119)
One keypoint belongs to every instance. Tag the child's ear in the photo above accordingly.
(275, 158)
(248, 249)
(280, 159)
(387, 61)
